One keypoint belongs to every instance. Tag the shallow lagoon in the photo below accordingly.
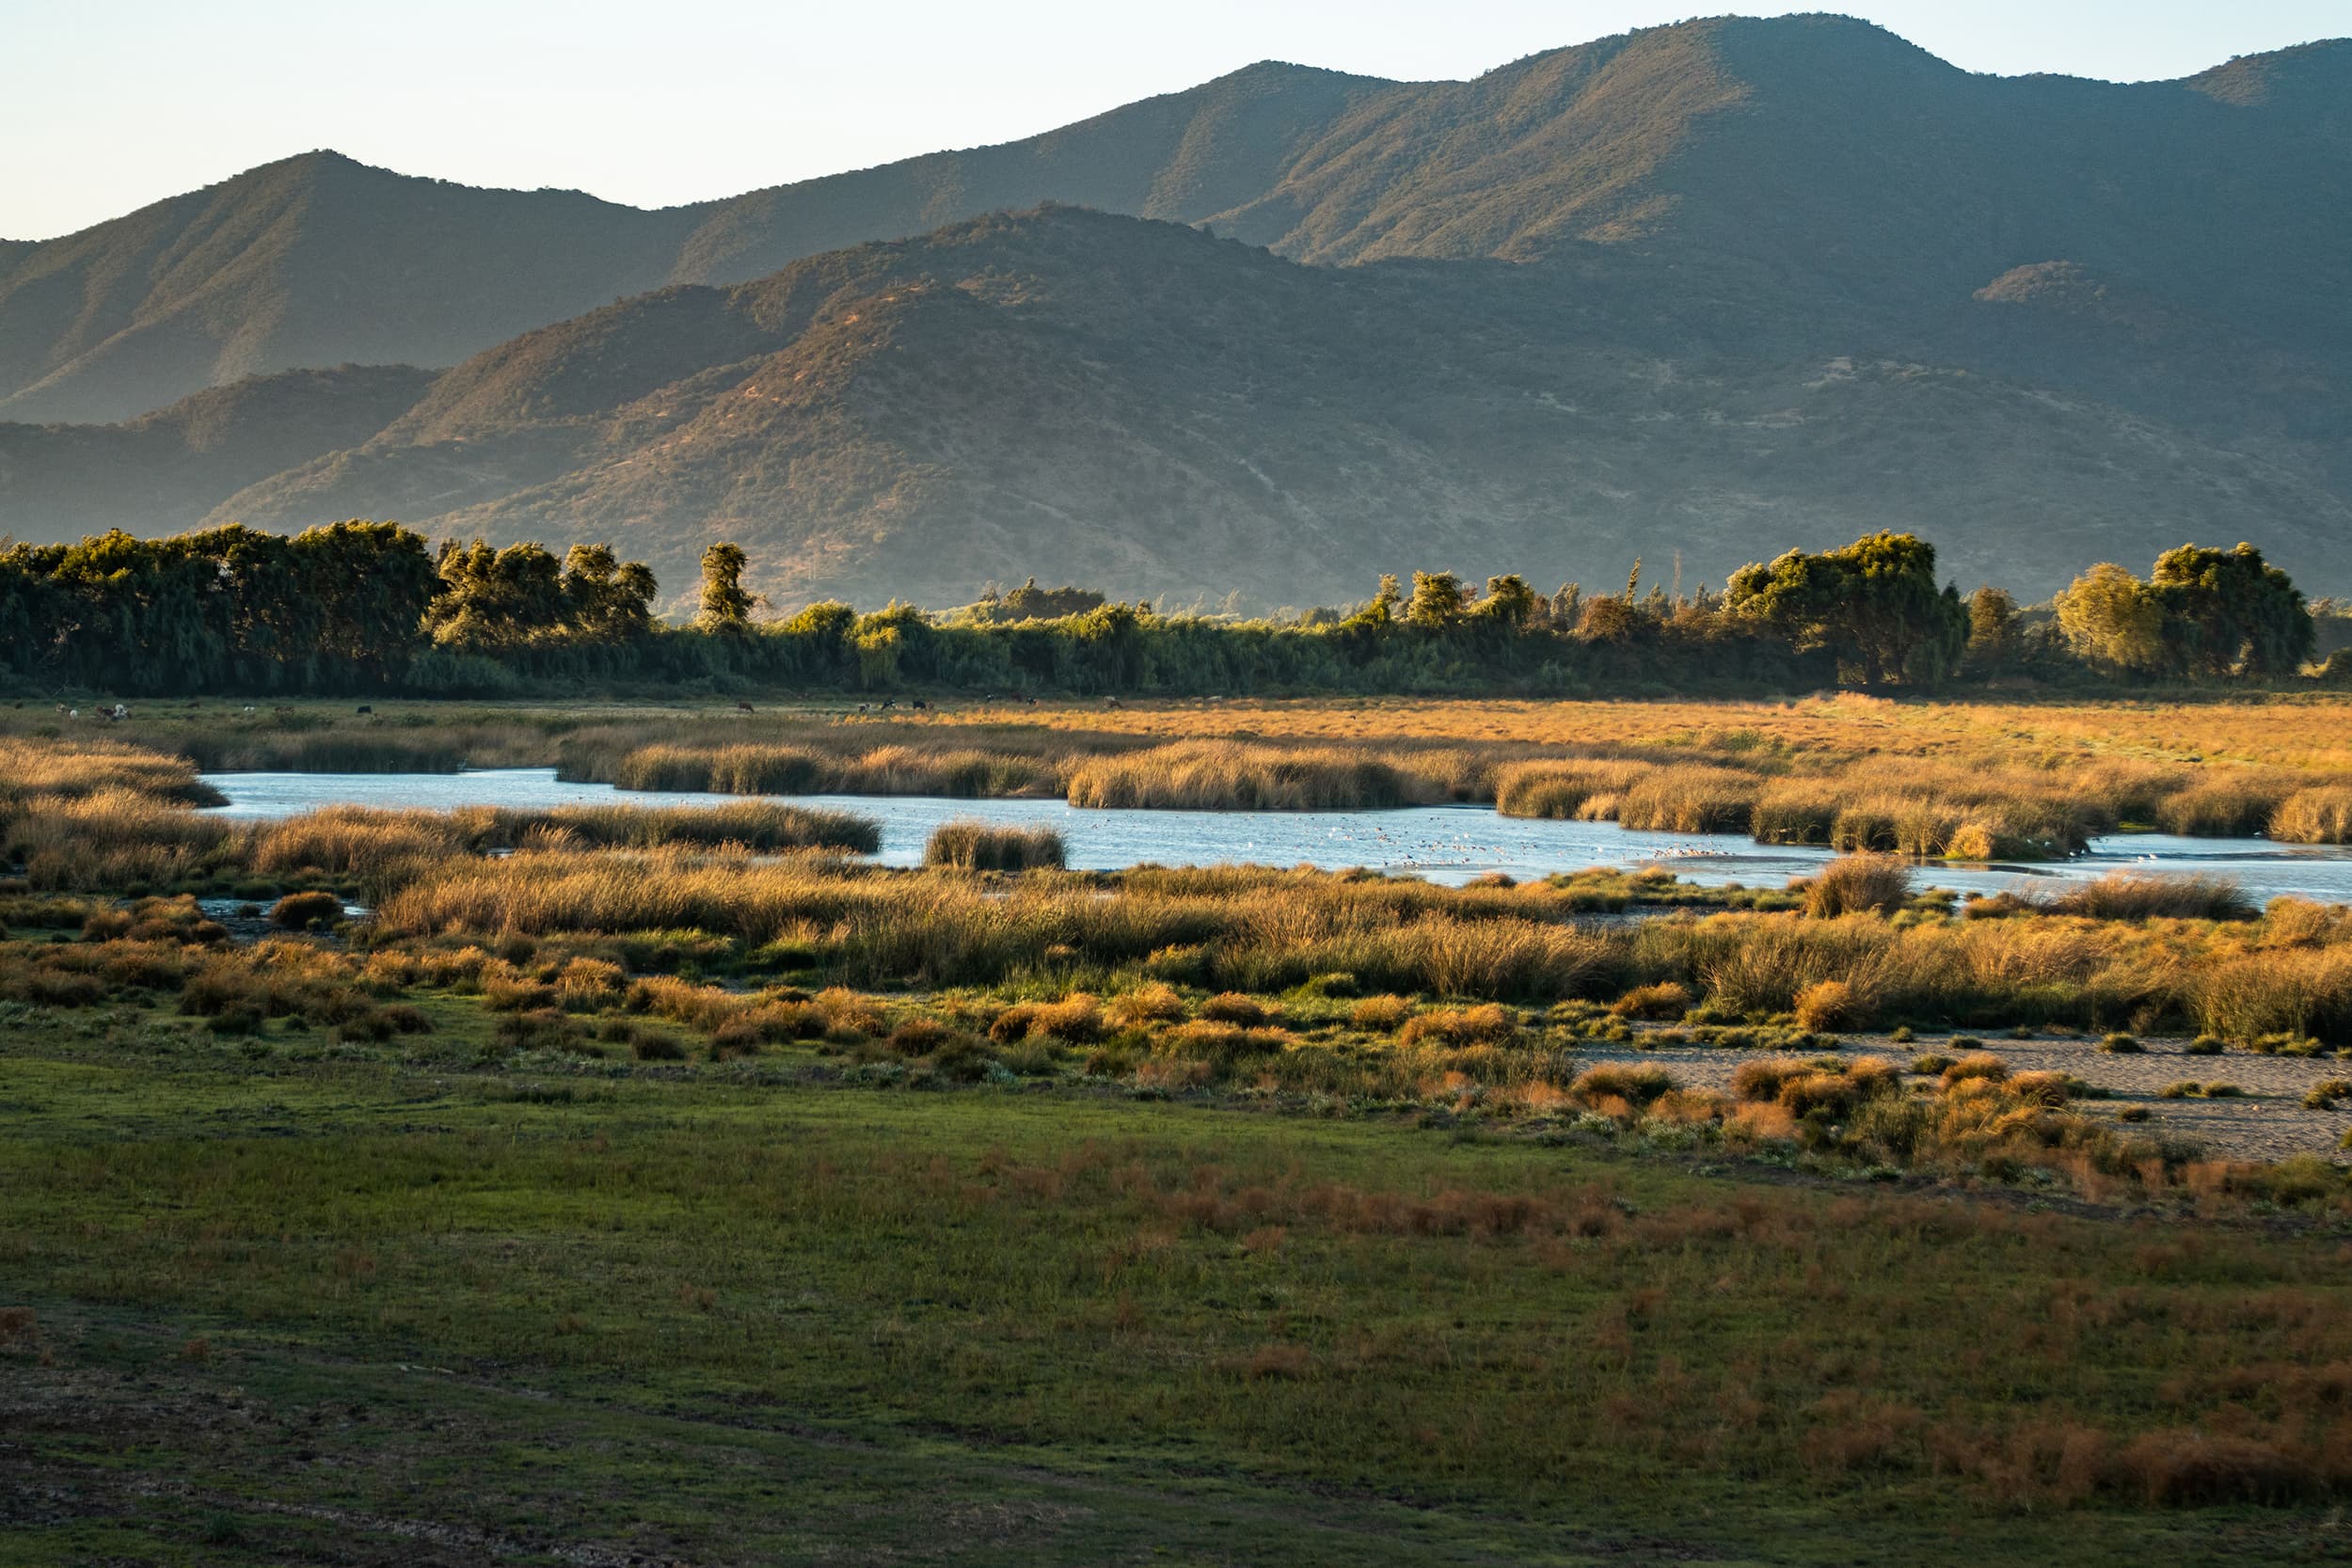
(1445, 843)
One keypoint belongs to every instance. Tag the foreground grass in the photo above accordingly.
(752, 1321)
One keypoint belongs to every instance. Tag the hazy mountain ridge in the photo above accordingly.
(166, 470)
(1823, 152)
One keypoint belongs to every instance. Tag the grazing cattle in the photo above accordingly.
(1112, 701)
(920, 705)
(745, 707)
(861, 707)
(248, 707)
(887, 704)
(117, 712)
(364, 708)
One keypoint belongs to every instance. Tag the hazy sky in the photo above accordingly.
(108, 104)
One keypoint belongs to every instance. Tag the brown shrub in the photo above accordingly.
(299, 911)
(1761, 1078)
(1150, 1003)
(1978, 1065)
(1380, 1014)
(1233, 1006)
(1488, 1024)
(587, 984)
(2120, 897)
(2319, 814)
(1665, 999)
(1076, 1019)
(1828, 1004)
(980, 846)
(1629, 1085)
(1857, 884)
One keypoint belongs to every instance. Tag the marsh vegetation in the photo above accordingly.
(1226, 1140)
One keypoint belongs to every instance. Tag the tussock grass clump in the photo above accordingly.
(724, 770)
(1234, 1006)
(982, 846)
(785, 769)
(1075, 1020)
(1563, 791)
(299, 911)
(2122, 896)
(1690, 798)
(1619, 1087)
(111, 836)
(1663, 1001)
(72, 769)
(2233, 806)
(2321, 814)
(1225, 775)
(1857, 884)
(1380, 1014)
(1977, 1065)
(2293, 991)
(1489, 1024)
(1830, 1004)
(1148, 1003)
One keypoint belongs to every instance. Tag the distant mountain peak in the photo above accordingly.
(1819, 149)
(2317, 75)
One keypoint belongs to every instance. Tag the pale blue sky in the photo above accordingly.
(106, 105)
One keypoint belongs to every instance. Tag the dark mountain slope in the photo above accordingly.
(1836, 161)
(164, 472)
(1143, 406)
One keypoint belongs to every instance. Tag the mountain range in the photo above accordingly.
(1714, 288)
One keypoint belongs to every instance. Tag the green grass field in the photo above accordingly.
(273, 1305)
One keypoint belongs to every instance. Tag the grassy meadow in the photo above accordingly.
(672, 1185)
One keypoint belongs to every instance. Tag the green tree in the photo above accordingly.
(2111, 618)
(1568, 606)
(1992, 629)
(493, 599)
(1509, 602)
(606, 600)
(1437, 600)
(1612, 622)
(1380, 609)
(1873, 604)
(727, 604)
(2230, 612)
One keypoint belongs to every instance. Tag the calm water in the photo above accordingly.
(1446, 844)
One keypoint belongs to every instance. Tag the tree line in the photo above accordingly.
(371, 607)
